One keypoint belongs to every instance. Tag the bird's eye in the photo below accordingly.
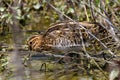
(30, 42)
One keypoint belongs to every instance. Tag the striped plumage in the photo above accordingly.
(34, 42)
(67, 36)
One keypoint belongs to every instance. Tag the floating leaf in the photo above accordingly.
(9, 19)
(4, 50)
(18, 12)
(70, 10)
(37, 6)
(4, 64)
(114, 73)
(2, 9)
(18, 17)
(4, 15)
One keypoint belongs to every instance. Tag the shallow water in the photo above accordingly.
(66, 70)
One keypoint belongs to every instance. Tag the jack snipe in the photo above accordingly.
(68, 36)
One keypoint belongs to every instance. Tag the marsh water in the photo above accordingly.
(42, 67)
(52, 68)
(98, 61)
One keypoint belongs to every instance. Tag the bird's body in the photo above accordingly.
(65, 37)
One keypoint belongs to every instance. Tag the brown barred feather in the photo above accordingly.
(67, 37)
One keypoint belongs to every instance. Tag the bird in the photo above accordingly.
(68, 36)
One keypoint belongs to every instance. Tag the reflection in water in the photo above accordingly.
(67, 37)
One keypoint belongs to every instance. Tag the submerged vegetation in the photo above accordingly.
(98, 39)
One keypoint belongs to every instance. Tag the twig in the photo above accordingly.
(92, 13)
(100, 69)
(83, 28)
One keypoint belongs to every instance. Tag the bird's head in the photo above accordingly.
(34, 43)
